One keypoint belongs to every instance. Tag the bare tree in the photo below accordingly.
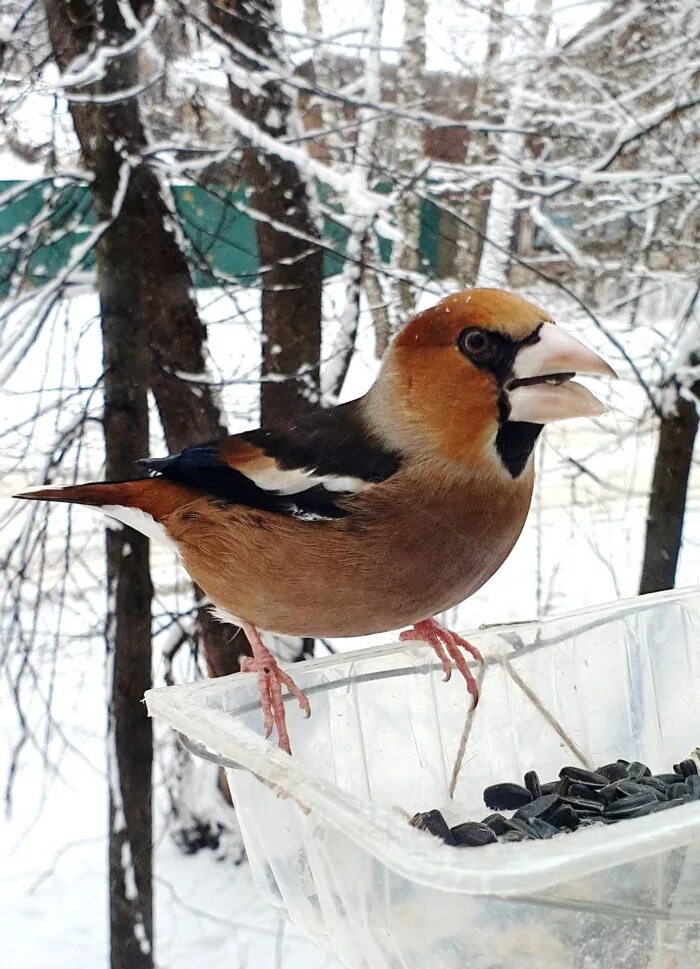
(678, 428)
(101, 125)
(287, 224)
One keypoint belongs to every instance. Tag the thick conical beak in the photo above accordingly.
(541, 389)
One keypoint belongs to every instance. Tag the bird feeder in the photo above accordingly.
(327, 830)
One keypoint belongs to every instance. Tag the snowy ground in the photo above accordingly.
(582, 545)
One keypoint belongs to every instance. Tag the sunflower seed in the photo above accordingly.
(538, 808)
(434, 823)
(613, 772)
(564, 817)
(636, 770)
(506, 797)
(579, 775)
(532, 783)
(626, 806)
(472, 834)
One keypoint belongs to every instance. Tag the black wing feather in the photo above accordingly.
(334, 441)
(328, 442)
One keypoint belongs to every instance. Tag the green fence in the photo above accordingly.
(220, 231)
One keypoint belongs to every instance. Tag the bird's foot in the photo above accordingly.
(271, 679)
(447, 645)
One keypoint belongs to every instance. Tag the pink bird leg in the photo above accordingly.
(447, 645)
(271, 678)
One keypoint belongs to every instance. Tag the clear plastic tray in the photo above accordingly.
(326, 830)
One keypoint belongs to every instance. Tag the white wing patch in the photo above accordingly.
(294, 480)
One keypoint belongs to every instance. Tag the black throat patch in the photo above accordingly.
(514, 443)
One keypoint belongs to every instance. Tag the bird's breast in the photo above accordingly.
(406, 551)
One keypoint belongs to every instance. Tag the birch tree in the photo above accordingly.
(410, 165)
(498, 233)
(479, 153)
(360, 158)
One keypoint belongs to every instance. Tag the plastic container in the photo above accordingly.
(327, 833)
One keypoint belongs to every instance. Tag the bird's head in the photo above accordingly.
(479, 374)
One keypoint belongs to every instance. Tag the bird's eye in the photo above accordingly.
(475, 343)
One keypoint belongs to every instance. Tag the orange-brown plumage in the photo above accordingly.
(155, 496)
(381, 512)
(398, 558)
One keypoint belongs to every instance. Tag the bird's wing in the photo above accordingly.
(301, 469)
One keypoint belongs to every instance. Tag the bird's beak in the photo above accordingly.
(541, 389)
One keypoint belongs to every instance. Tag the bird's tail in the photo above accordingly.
(122, 500)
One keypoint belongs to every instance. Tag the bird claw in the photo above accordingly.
(447, 645)
(271, 679)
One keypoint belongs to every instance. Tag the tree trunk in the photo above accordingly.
(118, 201)
(667, 502)
(292, 267)
(162, 285)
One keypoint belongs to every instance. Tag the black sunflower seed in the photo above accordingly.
(563, 786)
(472, 834)
(434, 823)
(579, 798)
(636, 770)
(532, 783)
(580, 790)
(629, 787)
(669, 778)
(677, 790)
(564, 817)
(538, 808)
(644, 809)
(613, 772)
(522, 827)
(580, 775)
(497, 823)
(506, 797)
(584, 805)
(655, 785)
(610, 793)
(625, 807)
(543, 828)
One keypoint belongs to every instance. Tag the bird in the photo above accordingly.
(374, 514)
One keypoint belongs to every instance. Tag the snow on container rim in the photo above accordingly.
(523, 868)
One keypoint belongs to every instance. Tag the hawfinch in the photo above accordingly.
(378, 513)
